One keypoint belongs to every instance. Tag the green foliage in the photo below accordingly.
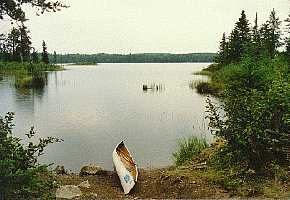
(14, 8)
(45, 58)
(34, 81)
(245, 40)
(256, 109)
(27, 67)
(20, 174)
(133, 58)
(187, 149)
(206, 87)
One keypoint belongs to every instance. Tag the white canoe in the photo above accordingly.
(125, 166)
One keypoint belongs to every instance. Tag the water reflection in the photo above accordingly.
(94, 108)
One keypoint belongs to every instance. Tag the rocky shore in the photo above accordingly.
(93, 182)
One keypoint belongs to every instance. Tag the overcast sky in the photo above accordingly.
(135, 26)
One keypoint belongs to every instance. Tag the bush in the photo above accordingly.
(187, 149)
(34, 81)
(27, 67)
(204, 87)
(20, 174)
(256, 116)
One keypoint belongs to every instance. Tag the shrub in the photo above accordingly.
(34, 81)
(205, 87)
(20, 174)
(187, 148)
(256, 108)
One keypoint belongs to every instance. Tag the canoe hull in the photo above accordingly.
(126, 177)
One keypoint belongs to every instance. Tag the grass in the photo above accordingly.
(206, 87)
(16, 68)
(38, 81)
(203, 72)
(237, 179)
(28, 75)
(187, 148)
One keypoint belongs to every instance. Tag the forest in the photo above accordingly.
(132, 58)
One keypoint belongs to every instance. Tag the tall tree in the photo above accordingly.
(54, 58)
(25, 43)
(256, 38)
(4, 52)
(271, 34)
(45, 58)
(222, 56)
(34, 56)
(13, 41)
(288, 39)
(239, 38)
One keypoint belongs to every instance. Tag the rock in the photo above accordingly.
(60, 170)
(85, 184)
(91, 169)
(68, 192)
(94, 195)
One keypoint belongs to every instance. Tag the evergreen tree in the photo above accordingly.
(271, 34)
(256, 39)
(54, 57)
(34, 56)
(234, 46)
(13, 41)
(239, 38)
(25, 43)
(288, 39)
(222, 56)
(4, 53)
(44, 53)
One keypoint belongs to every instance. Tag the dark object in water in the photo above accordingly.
(145, 87)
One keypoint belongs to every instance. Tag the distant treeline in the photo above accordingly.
(131, 58)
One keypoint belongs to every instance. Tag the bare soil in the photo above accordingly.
(157, 184)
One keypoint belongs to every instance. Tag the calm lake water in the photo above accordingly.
(93, 108)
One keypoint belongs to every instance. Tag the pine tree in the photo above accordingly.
(34, 57)
(239, 39)
(13, 41)
(25, 43)
(271, 34)
(54, 58)
(3, 48)
(45, 58)
(222, 56)
(288, 39)
(256, 39)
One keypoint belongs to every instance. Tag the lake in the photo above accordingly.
(93, 108)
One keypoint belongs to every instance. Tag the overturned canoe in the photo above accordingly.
(125, 166)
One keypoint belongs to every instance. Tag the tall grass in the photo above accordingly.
(35, 81)
(25, 67)
(187, 149)
(206, 87)
(28, 75)
(203, 72)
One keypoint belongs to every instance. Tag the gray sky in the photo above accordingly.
(124, 26)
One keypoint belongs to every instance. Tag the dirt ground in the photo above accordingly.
(157, 184)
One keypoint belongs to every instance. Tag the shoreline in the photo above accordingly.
(195, 180)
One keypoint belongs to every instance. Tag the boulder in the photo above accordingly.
(68, 192)
(85, 184)
(91, 169)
